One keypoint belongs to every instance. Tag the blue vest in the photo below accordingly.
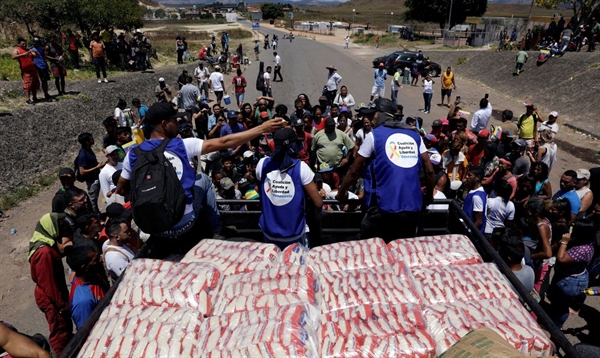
(181, 163)
(468, 207)
(368, 182)
(282, 199)
(396, 167)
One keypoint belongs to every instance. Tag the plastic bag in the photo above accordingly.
(233, 258)
(294, 254)
(441, 284)
(150, 331)
(449, 322)
(171, 284)
(418, 345)
(267, 288)
(381, 284)
(349, 255)
(435, 251)
(264, 349)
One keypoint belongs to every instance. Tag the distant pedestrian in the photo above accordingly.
(427, 93)
(98, 55)
(377, 42)
(180, 50)
(267, 91)
(277, 61)
(29, 74)
(414, 74)
(74, 45)
(333, 81)
(448, 85)
(42, 66)
(239, 83)
(396, 86)
(380, 76)
(347, 42)
(521, 59)
(256, 49)
(201, 73)
(215, 82)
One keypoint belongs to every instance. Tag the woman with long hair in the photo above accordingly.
(344, 98)
(525, 188)
(541, 249)
(318, 122)
(500, 210)
(305, 102)
(574, 253)
(539, 171)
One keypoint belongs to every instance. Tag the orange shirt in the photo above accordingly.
(97, 49)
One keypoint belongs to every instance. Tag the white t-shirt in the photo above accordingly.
(120, 116)
(267, 76)
(193, 148)
(477, 202)
(117, 262)
(553, 127)
(367, 148)
(277, 60)
(438, 195)
(106, 182)
(215, 79)
(202, 73)
(497, 213)
(427, 86)
(360, 134)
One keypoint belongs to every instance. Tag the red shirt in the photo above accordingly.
(26, 62)
(474, 154)
(319, 126)
(239, 82)
(48, 273)
(304, 154)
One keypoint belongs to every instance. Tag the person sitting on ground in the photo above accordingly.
(161, 118)
(584, 193)
(87, 288)
(50, 242)
(67, 180)
(543, 187)
(476, 199)
(116, 252)
(107, 188)
(19, 345)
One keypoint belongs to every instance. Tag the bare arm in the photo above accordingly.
(233, 140)
(545, 235)
(478, 219)
(547, 188)
(429, 177)
(313, 194)
(17, 345)
(84, 171)
(586, 201)
(562, 256)
(351, 177)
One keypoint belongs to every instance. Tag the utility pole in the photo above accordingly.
(449, 17)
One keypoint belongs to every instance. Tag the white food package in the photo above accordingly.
(294, 254)
(449, 322)
(150, 331)
(441, 284)
(349, 255)
(164, 283)
(233, 258)
(275, 287)
(378, 330)
(380, 284)
(437, 250)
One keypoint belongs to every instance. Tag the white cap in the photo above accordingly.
(554, 114)
(248, 154)
(111, 148)
(138, 31)
(162, 79)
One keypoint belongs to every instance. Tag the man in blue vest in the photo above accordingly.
(476, 200)
(283, 182)
(394, 154)
(162, 123)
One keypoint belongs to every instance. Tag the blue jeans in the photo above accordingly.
(395, 96)
(141, 61)
(427, 100)
(565, 291)
(205, 203)
(268, 93)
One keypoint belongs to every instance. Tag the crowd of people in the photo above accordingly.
(388, 164)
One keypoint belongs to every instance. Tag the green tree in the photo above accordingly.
(437, 10)
(581, 8)
(160, 14)
(271, 11)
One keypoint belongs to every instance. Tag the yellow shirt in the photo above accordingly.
(527, 128)
(447, 80)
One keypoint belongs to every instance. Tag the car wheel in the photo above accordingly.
(433, 73)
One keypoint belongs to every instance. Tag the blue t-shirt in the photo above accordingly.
(84, 297)
(40, 61)
(143, 110)
(380, 77)
(572, 197)
(227, 129)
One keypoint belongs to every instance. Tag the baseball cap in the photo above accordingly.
(583, 174)
(431, 138)
(435, 158)
(184, 126)
(484, 133)
(232, 114)
(162, 79)
(111, 148)
(116, 210)
(385, 105)
(329, 121)
(284, 136)
(324, 168)
(159, 112)
(520, 143)
(226, 183)
(66, 172)
(299, 122)
(264, 115)
(248, 154)
(445, 122)
(554, 114)
(35, 39)
(436, 123)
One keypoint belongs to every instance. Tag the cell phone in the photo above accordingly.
(487, 95)
(458, 98)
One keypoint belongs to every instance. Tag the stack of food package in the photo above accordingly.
(411, 297)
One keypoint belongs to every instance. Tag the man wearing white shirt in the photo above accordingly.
(117, 254)
(107, 187)
(277, 61)
(333, 81)
(215, 82)
(482, 116)
(202, 74)
(550, 124)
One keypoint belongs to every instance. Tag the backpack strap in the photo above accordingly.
(112, 249)
(161, 148)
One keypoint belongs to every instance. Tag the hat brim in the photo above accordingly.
(367, 111)
(330, 68)
(325, 170)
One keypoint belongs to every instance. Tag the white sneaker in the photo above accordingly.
(99, 81)
(105, 80)
(76, 69)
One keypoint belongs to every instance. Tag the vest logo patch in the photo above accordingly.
(279, 188)
(402, 150)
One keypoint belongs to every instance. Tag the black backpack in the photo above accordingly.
(260, 80)
(157, 197)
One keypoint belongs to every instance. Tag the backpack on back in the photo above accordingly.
(522, 118)
(157, 196)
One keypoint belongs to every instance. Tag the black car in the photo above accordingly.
(388, 58)
(407, 60)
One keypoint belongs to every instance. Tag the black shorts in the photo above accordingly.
(44, 74)
(219, 95)
(447, 92)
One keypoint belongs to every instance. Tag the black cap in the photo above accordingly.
(385, 105)
(330, 121)
(116, 210)
(284, 136)
(159, 112)
(66, 172)
(298, 122)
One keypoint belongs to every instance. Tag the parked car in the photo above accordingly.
(407, 59)
(387, 58)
